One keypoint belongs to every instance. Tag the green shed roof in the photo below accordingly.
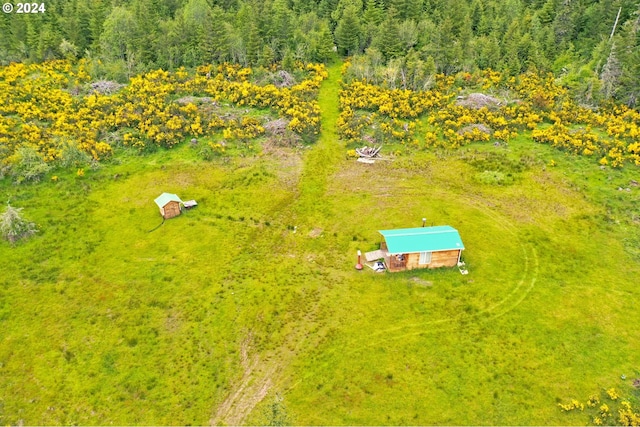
(422, 239)
(165, 198)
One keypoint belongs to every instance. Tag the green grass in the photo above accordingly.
(103, 321)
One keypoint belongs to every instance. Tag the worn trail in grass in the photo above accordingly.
(321, 161)
(308, 210)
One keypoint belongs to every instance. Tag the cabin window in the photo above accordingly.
(425, 257)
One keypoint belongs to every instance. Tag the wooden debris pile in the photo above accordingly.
(276, 127)
(477, 101)
(369, 154)
(106, 87)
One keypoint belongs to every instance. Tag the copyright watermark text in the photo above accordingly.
(24, 8)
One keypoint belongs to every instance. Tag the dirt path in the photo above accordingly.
(261, 372)
(248, 392)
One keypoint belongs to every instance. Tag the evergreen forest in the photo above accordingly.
(592, 45)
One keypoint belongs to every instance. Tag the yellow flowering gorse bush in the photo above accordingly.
(538, 105)
(604, 413)
(43, 108)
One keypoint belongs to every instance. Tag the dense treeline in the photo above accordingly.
(571, 38)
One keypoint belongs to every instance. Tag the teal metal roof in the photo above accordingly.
(165, 198)
(422, 239)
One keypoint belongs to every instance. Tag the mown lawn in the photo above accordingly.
(253, 293)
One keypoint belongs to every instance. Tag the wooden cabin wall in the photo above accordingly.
(444, 259)
(438, 259)
(171, 210)
(413, 261)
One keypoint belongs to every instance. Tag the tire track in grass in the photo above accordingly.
(510, 302)
(516, 294)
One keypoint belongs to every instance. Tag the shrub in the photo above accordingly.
(28, 165)
(13, 227)
(72, 156)
(212, 150)
(276, 413)
(493, 178)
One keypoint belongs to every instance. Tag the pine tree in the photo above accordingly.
(348, 32)
(456, 11)
(195, 24)
(147, 20)
(389, 41)
(280, 27)
(448, 53)
(288, 62)
(48, 43)
(476, 16)
(68, 22)
(563, 25)
(548, 12)
(226, 5)
(98, 13)
(464, 38)
(373, 13)
(406, 9)
(245, 38)
(7, 42)
(215, 38)
(85, 38)
(342, 5)
(326, 9)
(267, 56)
(527, 52)
(630, 79)
(510, 51)
(322, 44)
(597, 20)
(629, 54)
(31, 38)
(371, 19)
(252, 42)
(486, 52)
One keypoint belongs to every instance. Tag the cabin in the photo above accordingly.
(423, 247)
(169, 205)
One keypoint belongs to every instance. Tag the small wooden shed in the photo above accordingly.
(423, 247)
(169, 205)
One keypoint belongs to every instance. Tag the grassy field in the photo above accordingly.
(106, 320)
